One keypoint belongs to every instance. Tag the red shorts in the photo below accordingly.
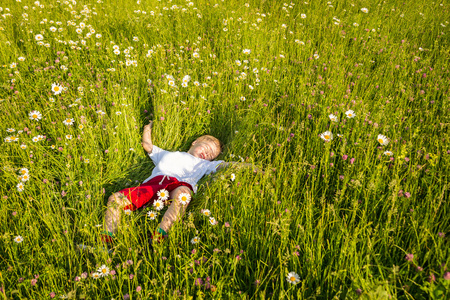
(146, 193)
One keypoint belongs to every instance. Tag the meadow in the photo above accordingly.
(343, 106)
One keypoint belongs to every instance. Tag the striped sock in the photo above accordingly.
(107, 237)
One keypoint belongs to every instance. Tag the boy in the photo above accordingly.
(175, 176)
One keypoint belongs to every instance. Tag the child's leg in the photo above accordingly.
(176, 209)
(116, 203)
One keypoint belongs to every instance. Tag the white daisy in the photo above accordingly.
(23, 171)
(158, 204)
(127, 212)
(383, 140)
(195, 240)
(213, 221)
(243, 98)
(333, 118)
(103, 270)
(233, 177)
(316, 56)
(163, 194)
(206, 212)
(364, 10)
(388, 153)
(184, 198)
(326, 136)
(24, 177)
(152, 215)
(39, 37)
(96, 275)
(196, 55)
(23, 146)
(238, 62)
(69, 136)
(186, 78)
(18, 239)
(184, 84)
(303, 16)
(12, 139)
(20, 187)
(350, 114)
(10, 130)
(35, 115)
(56, 89)
(246, 51)
(68, 121)
(293, 278)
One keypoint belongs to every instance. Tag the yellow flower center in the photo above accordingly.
(56, 88)
(292, 278)
(380, 141)
(349, 115)
(157, 204)
(34, 116)
(163, 194)
(104, 271)
(327, 137)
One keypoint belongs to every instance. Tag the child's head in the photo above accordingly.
(206, 147)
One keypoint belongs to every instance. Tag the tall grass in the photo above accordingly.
(349, 219)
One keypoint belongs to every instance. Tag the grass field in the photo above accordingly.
(343, 106)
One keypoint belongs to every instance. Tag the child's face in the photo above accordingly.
(204, 150)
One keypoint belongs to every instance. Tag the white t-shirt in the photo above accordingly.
(181, 165)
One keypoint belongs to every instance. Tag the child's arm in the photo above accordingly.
(147, 138)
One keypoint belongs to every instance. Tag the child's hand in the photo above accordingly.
(149, 126)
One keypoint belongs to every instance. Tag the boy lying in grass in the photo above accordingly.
(175, 176)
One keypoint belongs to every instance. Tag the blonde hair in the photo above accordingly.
(210, 138)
